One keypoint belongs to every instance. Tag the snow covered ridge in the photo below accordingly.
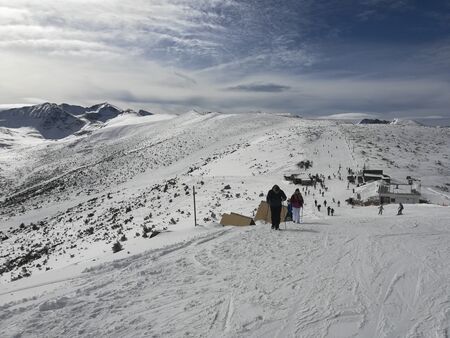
(64, 204)
(405, 122)
(53, 121)
(400, 122)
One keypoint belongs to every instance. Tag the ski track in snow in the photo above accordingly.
(253, 282)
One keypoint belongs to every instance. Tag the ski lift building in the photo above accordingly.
(368, 175)
(297, 180)
(397, 192)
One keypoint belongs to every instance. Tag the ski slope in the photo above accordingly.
(356, 274)
(362, 276)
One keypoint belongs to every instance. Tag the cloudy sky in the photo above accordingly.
(385, 58)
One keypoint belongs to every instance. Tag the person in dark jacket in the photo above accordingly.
(275, 198)
(400, 209)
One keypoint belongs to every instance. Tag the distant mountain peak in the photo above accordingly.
(55, 121)
(374, 121)
(49, 119)
(102, 112)
(405, 122)
(396, 121)
(143, 112)
(73, 109)
(102, 106)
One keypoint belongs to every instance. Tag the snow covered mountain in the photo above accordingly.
(64, 204)
(142, 112)
(49, 119)
(102, 112)
(52, 121)
(405, 122)
(73, 109)
(399, 122)
(373, 121)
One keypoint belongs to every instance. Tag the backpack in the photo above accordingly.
(288, 217)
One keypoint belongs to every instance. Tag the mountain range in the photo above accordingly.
(57, 121)
(402, 122)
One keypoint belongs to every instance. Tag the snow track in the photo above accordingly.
(345, 278)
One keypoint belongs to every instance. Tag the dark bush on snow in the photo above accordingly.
(117, 247)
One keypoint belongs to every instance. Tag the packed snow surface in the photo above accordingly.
(65, 203)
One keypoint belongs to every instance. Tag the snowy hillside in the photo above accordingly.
(64, 203)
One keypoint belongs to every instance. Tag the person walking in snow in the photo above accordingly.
(380, 209)
(297, 205)
(275, 199)
(328, 210)
(400, 209)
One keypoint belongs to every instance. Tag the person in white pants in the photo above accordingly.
(297, 205)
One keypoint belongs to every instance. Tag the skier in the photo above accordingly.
(315, 203)
(297, 205)
(328, 210)
(275, 198)
(318, 207)
(400, 209)
(325, 203)
(339, 203)
(332, 211)
(380, 209)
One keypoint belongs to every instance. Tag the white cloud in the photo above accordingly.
(9, 16)
(127, 25)
(349, 116)
(4, 106)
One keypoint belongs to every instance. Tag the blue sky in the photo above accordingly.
(381, 58)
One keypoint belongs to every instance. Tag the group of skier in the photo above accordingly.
(275, 199)
(399, 211)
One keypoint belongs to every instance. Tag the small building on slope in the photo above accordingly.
(385, 192)
(399, 192)
(368, 175)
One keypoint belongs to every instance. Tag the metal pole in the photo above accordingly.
(195, 209)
